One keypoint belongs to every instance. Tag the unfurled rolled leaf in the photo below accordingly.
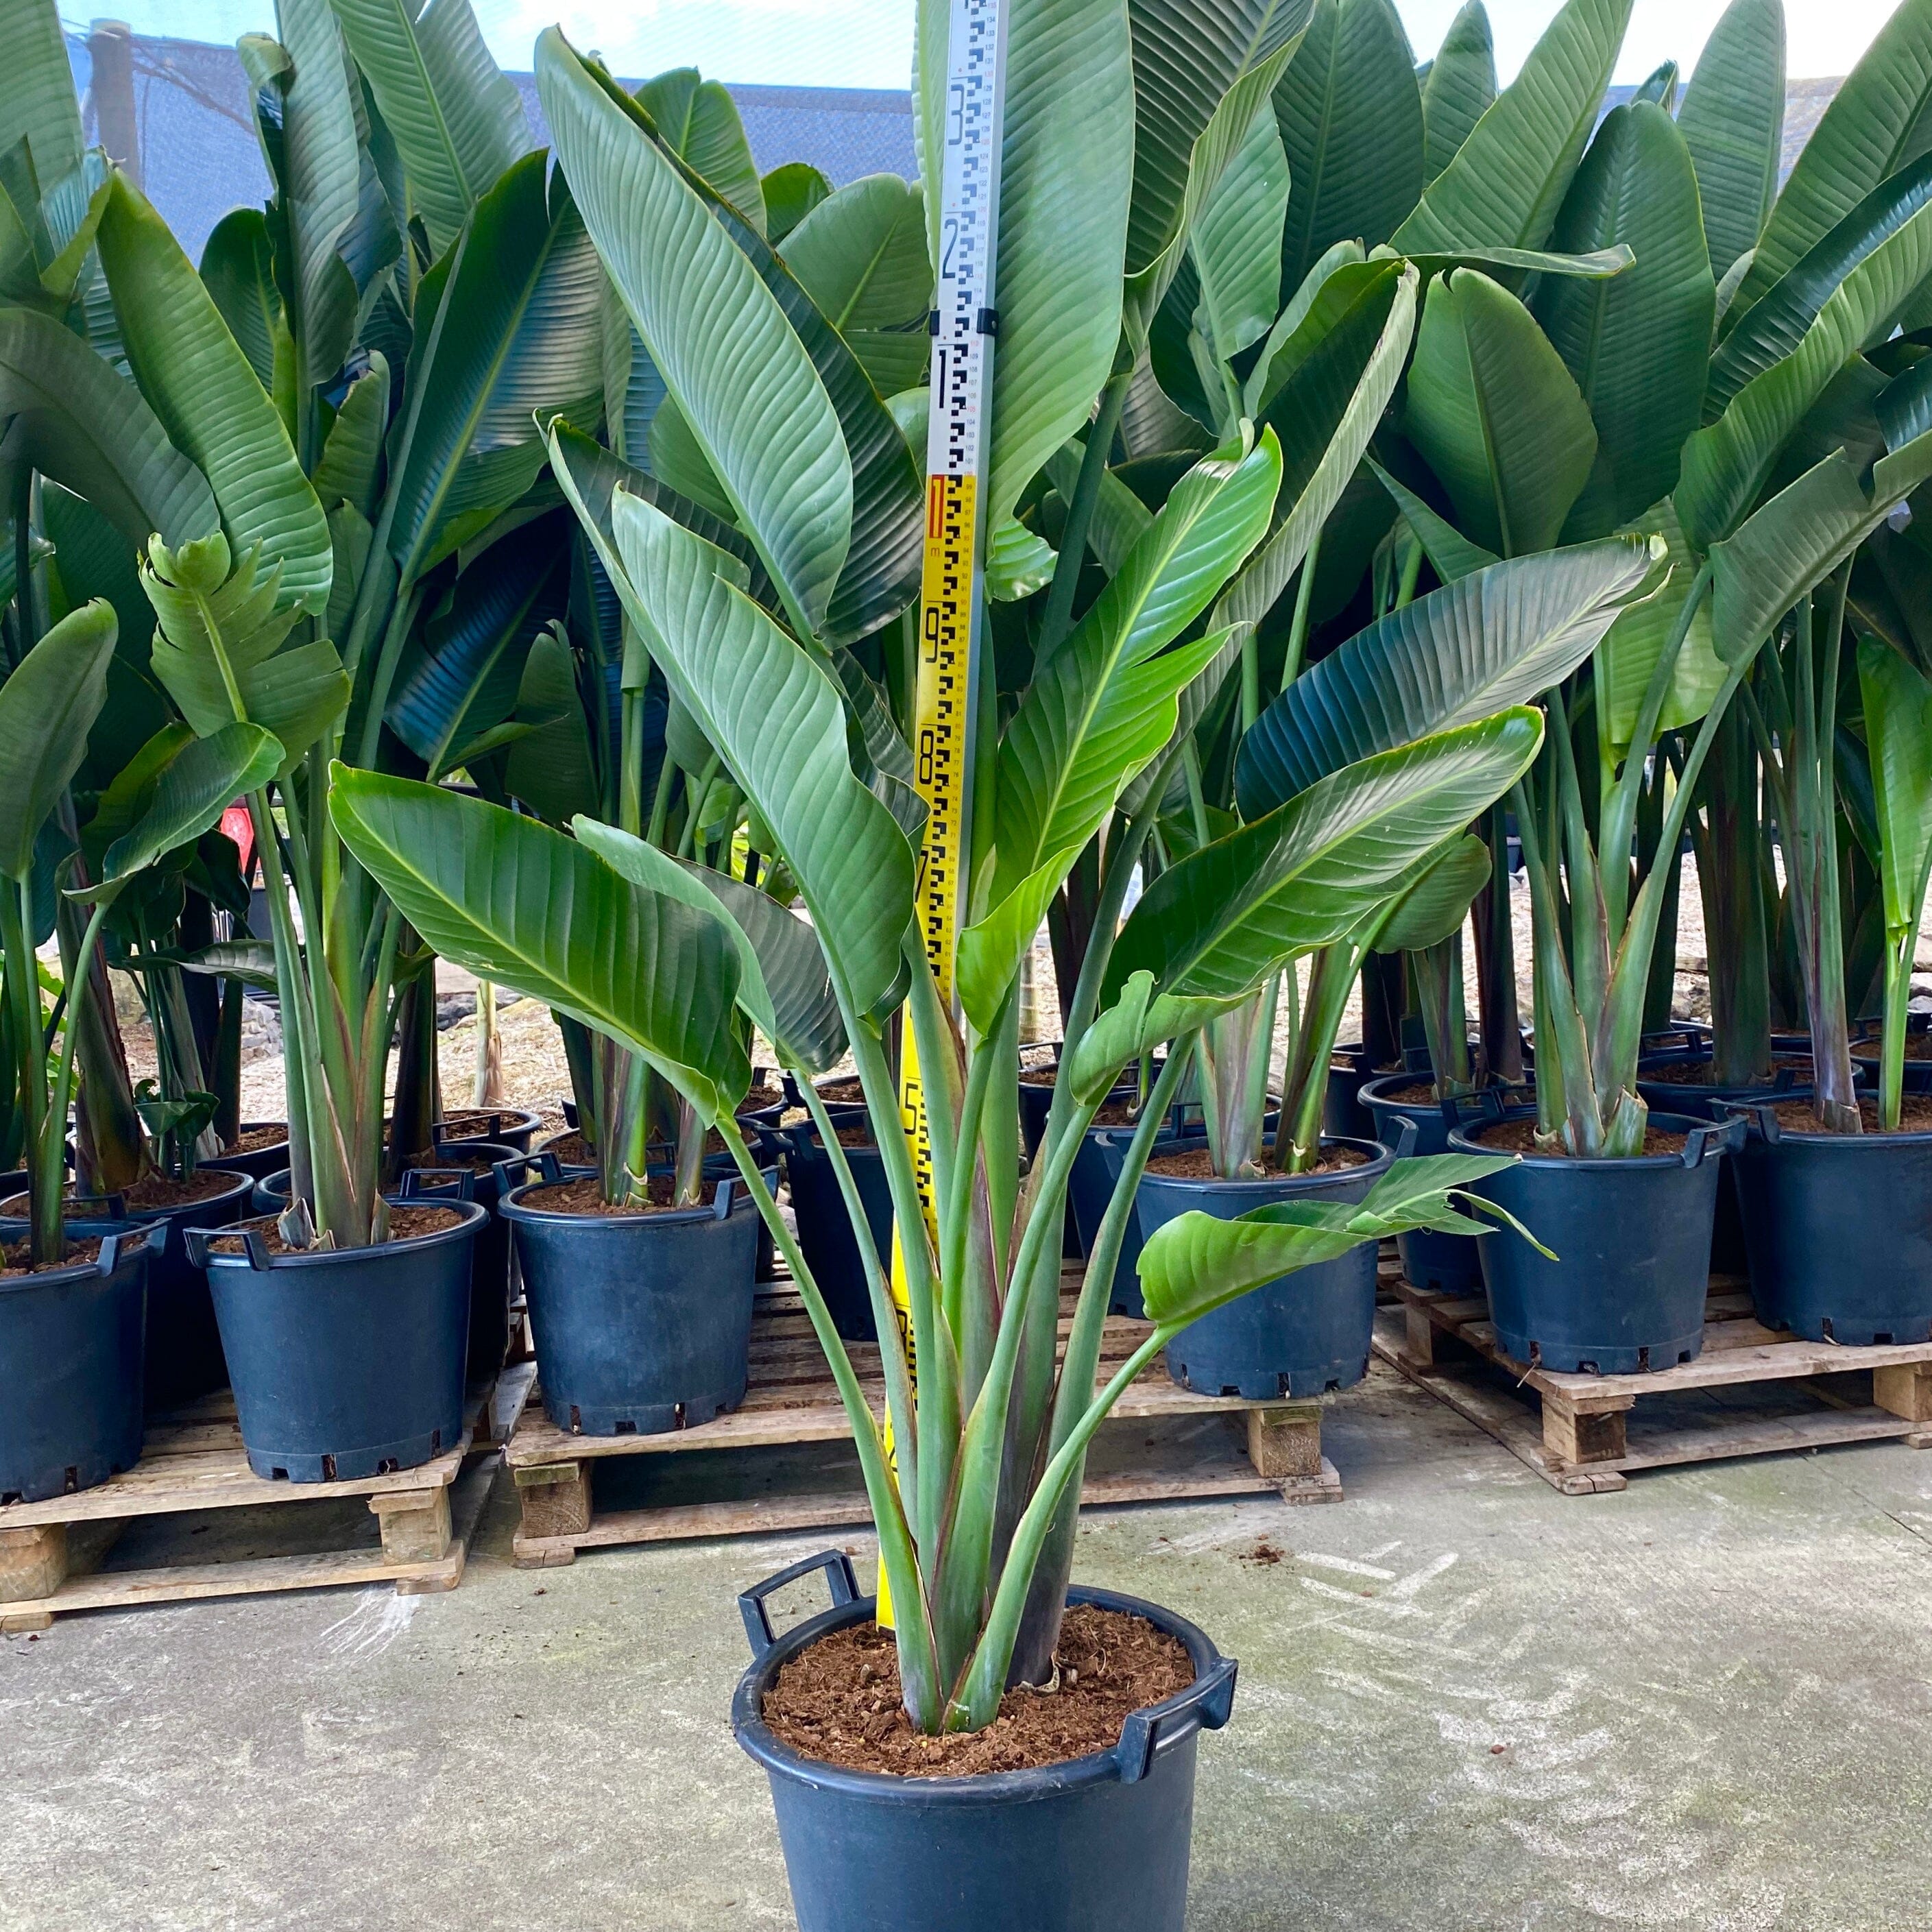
(785, 985)
(48, 705)
(741, 376)
(1497, 638)
(191, 793)
(523, 906)
(252, 962)
(1434, 908)
(1197, 1263)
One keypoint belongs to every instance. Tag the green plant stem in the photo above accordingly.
(1057, 619)
(1304, 598)
(30, 1060)
(1892, 1051)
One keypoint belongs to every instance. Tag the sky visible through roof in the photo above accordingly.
(868, 42)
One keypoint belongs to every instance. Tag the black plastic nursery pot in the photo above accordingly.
(825, 1236)
(458, 1172)
(1838, 1227)
(1449, 1264)
(73, 1415)
(642, 1322)
(1303, 1333)
(1096, 1844)
(1350, 1069)
(259, 1161)
(1632, 1236)
(1102, 1158)
(503, 1127)
(345, 1362)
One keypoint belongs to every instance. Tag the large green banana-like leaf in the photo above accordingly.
(791, 191)
(1067, 159)
(861, 256)
(1433, 909)
(783, 984)
(200, 386)
(1776, 323)
(1898, 733)
(1191, 709)
(716, 334)
(1498, 637)
(1120, 517)
(778, 720)
(1104, 705)
(1450, 552)
(457, 122)
(1637, 343)
(347, 470)
(1728, 463)
(1196, 1263)
(1326, 412)
(1351, 118)
(47, 706)
(1462, 84)
(71, 417)
(321, 181)
(463, 677)
(1497, 416)
(1784, 548)
(219, 646)
(522, 905)
(1509, 178)
(932, 33)
(238, 268)
(38, 105)
(93, 559)
(551, 768)
(1643, 629)
(1877, 124)
(1236, 242)
(508, 333)
(698, 121)
(1225, 918)
(1733, 121)
(190, 794)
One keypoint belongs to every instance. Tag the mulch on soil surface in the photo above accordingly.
(1197, 1164)
(583, 1196)
(1914, 1115)
(1698, 1073)
(405, 1222)
(16, 1256)
(571, 1149)
(1519, 1137)
(151, 1191)
(838, 1701)
(252, 1140)
(842, 1092)
(1418, 1094)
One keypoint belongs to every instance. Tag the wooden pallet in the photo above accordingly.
(782, 1460)
(191, 1462)
(1752, 1391)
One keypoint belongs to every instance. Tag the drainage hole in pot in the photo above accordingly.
(328, 1468)
(1587, 1368)
(1228, 1388)
(388, 1466)
(1643, 1361)
(1685, 1355)
(677, 1416)
(279, 1475)
(436, 1441)
(627, 1427)
(1881, 1341)
(72, 1477)
(1825, 1328)
(576, 1421)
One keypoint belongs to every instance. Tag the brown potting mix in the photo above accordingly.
(1198, 1164)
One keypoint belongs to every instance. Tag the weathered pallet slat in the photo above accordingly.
(1751, 1391)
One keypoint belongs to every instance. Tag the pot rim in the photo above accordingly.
(105, 1261)
(518, 1118)
(146, 1215)
(1747, 1111)
(1383, 1159)
(757, 1739)
(1466, 1140)
(731, 1192)
(255, 1254)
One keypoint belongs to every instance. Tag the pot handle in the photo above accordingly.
(509, 1172)
(1700, 1143)
(1205, 1705)
(196, 1240)
(838, 1573)
(417, 1183)
(1405, 1135)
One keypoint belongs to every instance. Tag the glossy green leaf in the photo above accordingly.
(715, 332)
(348, 469)
(238, 268)
(457, 121)
(251, 961)
(551, 768)
(861, 254)
(189, 794)
(1898, 733)
(522, 905)
(508, 333)
(213, 409)
(1450, 552)
(778, 721)
(38, 104)
(1733, 121)
(1727, 464)
(1134, 1025)
(1500, 637)
(1804, 532)
(791, 192)
(1067, 159)
(220, 646)
(1218, 923)
(1434, 908)
(71, 417)
(697, 120)
(1496, 414)
(783, 984)
(1462, 84)
(48, 705)
(1236, 242)
(1637, 343)
(1880, 121)
(1197, 1262)
(1632, 646)
(1509, 178)
(1351, 118)
(1327, 410)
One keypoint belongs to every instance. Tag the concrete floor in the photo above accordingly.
(1465, 1702)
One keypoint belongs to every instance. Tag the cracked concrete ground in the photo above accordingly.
(1465, 1702)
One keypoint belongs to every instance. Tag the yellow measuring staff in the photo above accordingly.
(952, 586)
